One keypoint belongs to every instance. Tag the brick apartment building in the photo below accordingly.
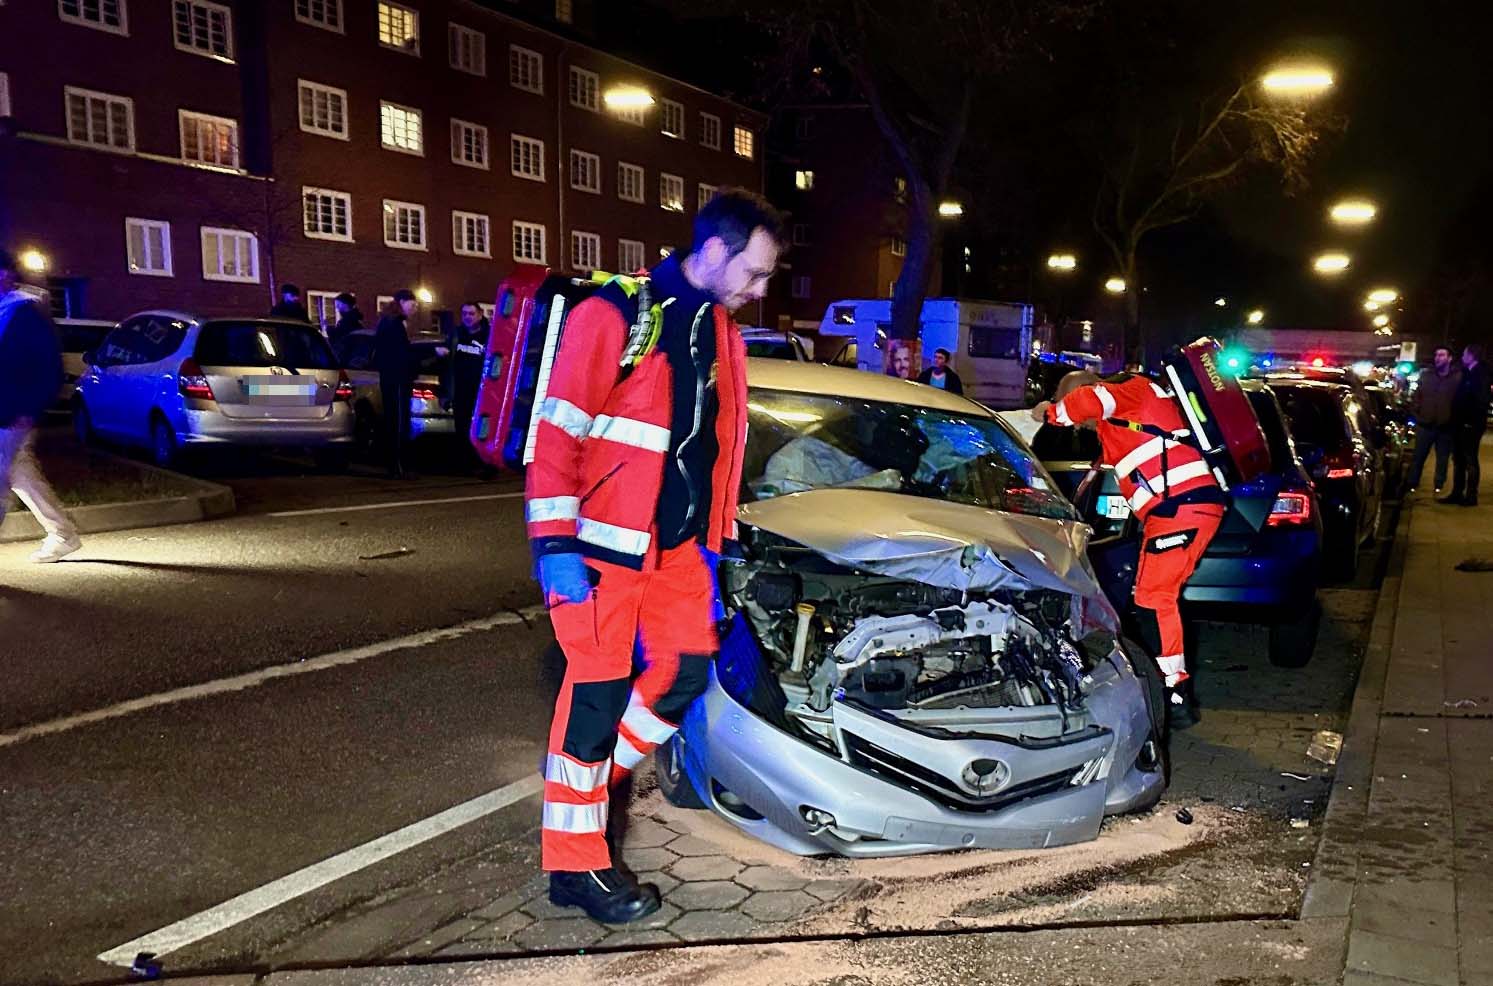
(193, 154)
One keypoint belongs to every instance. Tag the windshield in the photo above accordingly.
(798, 442)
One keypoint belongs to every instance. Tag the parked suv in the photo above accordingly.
(167, 380)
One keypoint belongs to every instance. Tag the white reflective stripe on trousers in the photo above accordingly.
(626, 755)
(577, 776)
(630, 431)
(645, 725)
(566, 416)
(575, 819)
(622, 539)
(542, 508)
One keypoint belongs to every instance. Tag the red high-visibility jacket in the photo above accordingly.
(1150, 468)
(603, 436)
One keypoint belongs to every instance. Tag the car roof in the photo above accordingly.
(200, 319)
(836, 381)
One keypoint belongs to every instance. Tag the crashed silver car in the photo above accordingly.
(917, 655)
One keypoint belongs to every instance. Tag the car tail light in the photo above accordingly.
(422, 394)
(1344, 472)
(344, 387)
(1290, 510)
(193, 382)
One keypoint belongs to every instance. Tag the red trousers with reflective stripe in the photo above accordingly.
(602, 727)
(1170, 550)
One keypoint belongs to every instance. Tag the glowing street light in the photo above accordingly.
(1255, 317)
(1384, 296)
(1353, 212)
(34, 261)
(1115, 285)
(1371, 305)
(628, 98)
(1220, 302)
(950, 209)
(1380, 321)
(1297, 80)
(1331, 263)
(1062, 261)
(424, 295)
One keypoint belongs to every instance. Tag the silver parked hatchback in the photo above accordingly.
(167, 380)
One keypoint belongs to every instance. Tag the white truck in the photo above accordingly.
(991, 341)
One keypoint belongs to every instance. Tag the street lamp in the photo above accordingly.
(950, 209)
(1297, 80)
(628, 98)
(1380, 321)
(1062, 261)
(1220, 302)
(424, 295)
(1115, 285)
(1255, 317)
(1353, 212)
(1371, 305)
(1331, 263)
(34, 261)
(1384, 296)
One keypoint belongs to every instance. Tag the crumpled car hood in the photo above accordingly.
(952, 545)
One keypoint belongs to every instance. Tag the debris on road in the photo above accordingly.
(1294, 777)
(1301, 823)
(382, 555)
(1475, 565)
(1325, 747)
(145, 966)
(1184, 816)
(1461, 703)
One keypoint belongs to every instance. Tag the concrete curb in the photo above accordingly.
(210, 500)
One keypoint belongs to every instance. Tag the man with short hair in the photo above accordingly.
(393, 358)
(469, 349)
(1469, 421)
(1433, 417)
(289, 305)
(631, 496)
(941, 374)
(30, 373)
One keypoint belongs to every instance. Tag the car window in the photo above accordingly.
(1315, 416)
(159, 337)
(126, 345)
(1268, 413)
(771, 349)
(427, 361)
(82, 338)
(356, 351)
(294, 347)
(1360, 422)
(798, 442)
(994, 343)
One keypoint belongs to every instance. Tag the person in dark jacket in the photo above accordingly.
(349, 319)
(30, 373)
(941, 374)
(1433, 417)
(1469, 421)
(467, 355)
(393, 359)
(290, 305)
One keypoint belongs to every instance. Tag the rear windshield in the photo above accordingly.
(1270, 423)
(1316, 415)
(294, 347)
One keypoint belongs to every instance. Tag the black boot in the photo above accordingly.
(608, 895)
(1453, 500)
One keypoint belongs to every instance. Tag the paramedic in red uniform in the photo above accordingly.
(1167, 483)
(631, 494)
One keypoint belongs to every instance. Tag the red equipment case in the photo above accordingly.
(1222, 421)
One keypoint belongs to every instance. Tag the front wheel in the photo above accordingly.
(673, 783)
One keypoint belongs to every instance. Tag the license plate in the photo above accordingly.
(279, 391)
(1114, 507)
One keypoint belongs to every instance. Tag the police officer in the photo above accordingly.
(467, 352)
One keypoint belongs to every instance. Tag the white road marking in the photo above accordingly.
(397, 503)
(303, 881)
(239, 682)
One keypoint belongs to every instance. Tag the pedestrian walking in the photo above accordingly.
(1469, 422)
(349, 319)
(468, 350)
(290, 305)
(1433, 417)
(393, 358)
(30, 373)
(631, 496)
(941, 374)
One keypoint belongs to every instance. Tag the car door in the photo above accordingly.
(1369, 463)
(105, 383)
(150, 383)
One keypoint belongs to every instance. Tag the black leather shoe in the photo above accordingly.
(1453, 501)
(1468, 503)
(608, 895)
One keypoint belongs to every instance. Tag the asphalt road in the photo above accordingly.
(114, 828)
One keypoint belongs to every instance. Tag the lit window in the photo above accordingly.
(636, 115)
(526, 69)
(470, 234)
(803, 180)
(467, 49)
(399, 28)
(209, 140)
(800, 234)
(744, 142)
(802, 286)
(147, 246)
(585, 172)
(899, 247)
(629, 256)
(469, 144)
(326, 215)
(585, 251)
(673, 119)
(564, 11)
(320, 13)
(230, 255)
(203, 27)
(899, 186)
(100, 119)
(710, 131)
(527, 157)
(703, 195)
(629, 182)
(528, 242)
(323, 110)
(585, 89)
(106, 15)
(671, 192)
(400, 128)
(404, 225)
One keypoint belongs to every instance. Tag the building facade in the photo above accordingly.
(195, 154)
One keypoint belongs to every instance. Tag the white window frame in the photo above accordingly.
(458, 144)
(584, 89)
(147, 226)
(334, 23)
(526, 69)
(520, 148)
(322, 307)
(393, 207)
(624, 168)
(234, 235)
(751, 142)
(335, 196)
(5, 109)
(387, 121)
(899, 247)
(581, 244)
(537, 232)
(90, 94)
(410, 46)
(671, 112)
(626, 247)
(703, 194)
(670, 192)
(456, 34)
(637, 116)
(186, 117)
(589, 164)
(803, 287)
(210, 8)
(459, 229)
(803, 179)
(83, 20)
(710, 131)
(331, 92)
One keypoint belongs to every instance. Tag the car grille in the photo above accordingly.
(931, 784)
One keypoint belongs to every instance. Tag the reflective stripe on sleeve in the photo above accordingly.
(1106, 400)
(1060, 411)
(622, 539)
(565, 416)
(1158, 390)
(576, 819)
(542, 508)
(627, 756)
(645, 725)
(630, 431)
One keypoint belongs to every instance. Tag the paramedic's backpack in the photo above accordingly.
(1222, 421)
